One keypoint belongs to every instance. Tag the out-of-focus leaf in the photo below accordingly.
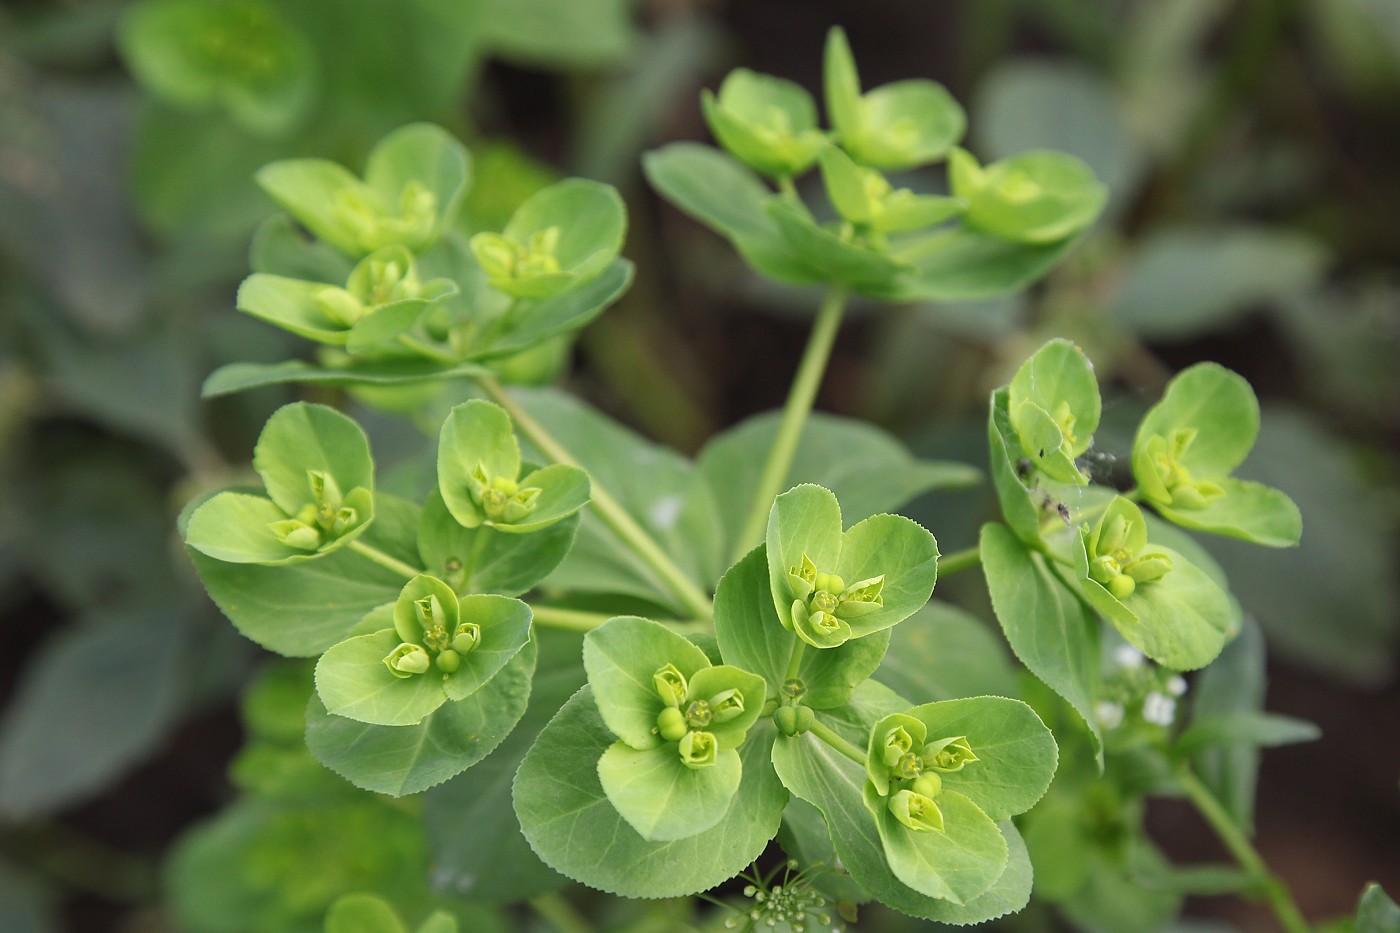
(23, 904)
(1377, 913)
(1043, 104)
(1185, 282)
(67, 214)
(869, 470)
(1333, 602)
(942, 652)
(90, 705)
(1350, 342)
(624, 116)
(558, 33)
(1233, 685)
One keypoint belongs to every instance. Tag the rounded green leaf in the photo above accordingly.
(804, 521)
(751, 636)
(1016, 754)
(769, 123)
(562, 236)
(1035, 197)
(362, 913)
(237, 528)
(660, 797)
(300, 609)
(571, 824)
(1050, 631)
(303, 438)
(622, 657)
(957, 864)
(532, 321)
(505, 630)
(1215, 403)
(841, 83)
(485, 560)
(307, 189)
(426, 155)
(1248, 511)
(904, 125)
(242, 57)
(476, 439)
(352, 680)
(401, 760)
(901, 550)
(291, 305)
(564, 489)
(961, 264)
(834, 784)
(1058, 380)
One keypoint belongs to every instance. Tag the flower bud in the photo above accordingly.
(465, 637)
(916, 811)
(407, 660)
(670, 685)
(698, 749)
(949, 754)
(297, 534)
(726, 705)
(1122, 586)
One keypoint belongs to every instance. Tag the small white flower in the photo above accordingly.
(1109, 715)
(1177, 685)
(1159, 709)
(1127, 657)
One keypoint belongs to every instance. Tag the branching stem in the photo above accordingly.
(386, 561)
(1273, 889)
(824, 732)
(608, 509)
(959, 561)
(799, 405)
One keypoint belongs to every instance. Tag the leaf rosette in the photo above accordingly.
(1188, 445)
(414, 182)
(479, 475)
(896, 126)
(769, 124)
(383, 298)
(1035, 197)
(561, 238)
(1161, 602)
(440, 647)
(679, 721)
(830, 586)
(319, 477)
(939, 777)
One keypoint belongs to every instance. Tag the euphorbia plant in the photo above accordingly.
(717, 709)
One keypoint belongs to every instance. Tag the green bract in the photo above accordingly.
(829, 586)
(557, 240)
(1054, 406)
(896, 126)
(241, 56)
(383, 298)
(1034, 197)
(414, 182)
(769, 123)
(366, 913)
(679, 721)
(479, 475)
(316, 465)
(939, 777)
(441, 647)
(1186, 448)
(865, 198)
(1157, 599)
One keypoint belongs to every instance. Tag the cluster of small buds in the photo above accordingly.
(792, 905)
(1133, 684)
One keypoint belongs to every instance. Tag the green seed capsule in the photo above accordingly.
(448, 661)
(929, 784)
(1122, 586)
(671, 724)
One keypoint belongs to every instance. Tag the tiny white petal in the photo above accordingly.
(1128, 657)
(1109, 715)
(1159, 709)
(1177, 685)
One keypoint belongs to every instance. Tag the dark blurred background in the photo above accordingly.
(1250, 147)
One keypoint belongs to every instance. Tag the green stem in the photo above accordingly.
(574, 620)
(799, 405)
(384, 560)
(1273, 889)
(959, 561)
(799, 648)
(824, 732)
(560, 913)
(609, 509)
